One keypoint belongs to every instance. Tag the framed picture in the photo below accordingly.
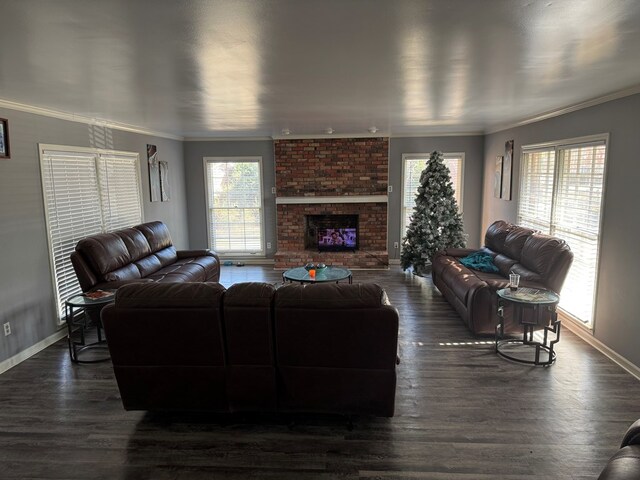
(497, 177)
(507, 170)
(154, 173)
(164, 181)
(4, 139)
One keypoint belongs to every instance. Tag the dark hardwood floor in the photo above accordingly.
(461, 413)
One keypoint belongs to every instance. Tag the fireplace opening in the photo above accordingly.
(331, 233)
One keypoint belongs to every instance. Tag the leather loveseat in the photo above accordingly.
(625, 464)
(325, 348)
(144, 253)
(542, 261)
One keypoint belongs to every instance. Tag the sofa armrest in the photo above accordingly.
(632, 437)
(196, 253)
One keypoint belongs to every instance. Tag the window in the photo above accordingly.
(561, 190)
(413, 165)
(85, 192)
(234, 205)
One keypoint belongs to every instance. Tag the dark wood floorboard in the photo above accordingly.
(462, 413)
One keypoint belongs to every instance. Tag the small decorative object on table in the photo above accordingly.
(320, 267)
(309, 266)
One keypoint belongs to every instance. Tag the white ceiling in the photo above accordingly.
(235, 68)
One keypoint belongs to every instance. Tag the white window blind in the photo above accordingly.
(85, 193)
(562, 191)
(414, 164)
(235, 209)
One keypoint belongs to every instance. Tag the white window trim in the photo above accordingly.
(240, 158)
(558, 145)
(413, 156)
(45, 147)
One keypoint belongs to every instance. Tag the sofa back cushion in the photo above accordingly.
(549, 257)
(166, 324)
(136, 243)
(248, 320)
(104, 252)
(496, 235)
(515, 240)
(335, 326)
(157, 234)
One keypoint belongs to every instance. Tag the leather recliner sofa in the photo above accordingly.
(625, 464)
(542, 261)
(325, 348)
(144, 253)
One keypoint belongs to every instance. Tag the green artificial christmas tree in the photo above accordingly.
(435, 222)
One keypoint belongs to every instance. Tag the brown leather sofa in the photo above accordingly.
(325, 348)
(541, 260)
(144, 253)
(625, 464)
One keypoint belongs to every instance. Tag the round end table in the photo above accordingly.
(78, 309)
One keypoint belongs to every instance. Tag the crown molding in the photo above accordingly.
(72, 117)
(473, 133)
(325, 136)
(227, 139)
(562, 111)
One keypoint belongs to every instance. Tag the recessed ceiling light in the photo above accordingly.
(286, 131)
(373, 129)
(329, 131)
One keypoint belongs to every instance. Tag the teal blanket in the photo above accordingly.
(479, 261)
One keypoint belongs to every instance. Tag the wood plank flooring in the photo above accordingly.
(462, 413)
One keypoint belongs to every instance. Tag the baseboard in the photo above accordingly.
(247, 261)
(32, 350)
(588, 337)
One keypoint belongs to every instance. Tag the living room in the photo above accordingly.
(587, 100)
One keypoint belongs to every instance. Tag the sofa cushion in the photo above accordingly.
(167, 255)
(540, 252)
(497, 234)
(515, 240)
(128, 272)
(148, 265)
(504, 264)
(136, 243)
(105, 252)
(158, 295)
(157, 234)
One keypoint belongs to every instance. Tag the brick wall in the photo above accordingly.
(332, 167)
(324, 167)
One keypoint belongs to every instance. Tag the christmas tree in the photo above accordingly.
(435, 222)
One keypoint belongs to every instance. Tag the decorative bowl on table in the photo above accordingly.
(309, 266)
(320, 267)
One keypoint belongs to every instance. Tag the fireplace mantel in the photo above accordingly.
(325, 199)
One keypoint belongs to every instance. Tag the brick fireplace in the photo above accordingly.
(332, 177)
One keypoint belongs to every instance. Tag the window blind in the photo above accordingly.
(235, 206)
(84, 194)
(561, 194)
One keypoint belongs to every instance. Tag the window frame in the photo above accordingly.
(425, 156)
(558, 146)
(227, 159)
(43, 150)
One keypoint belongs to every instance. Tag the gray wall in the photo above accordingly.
(26, 290)
(616, 322)
(194, 153)
(472, 146)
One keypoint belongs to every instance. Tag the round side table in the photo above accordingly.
(328, 274)
(78, 309)
(534, 309)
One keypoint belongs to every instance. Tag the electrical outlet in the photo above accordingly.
(7, 329)
(395, 244)
(273, 190)
(268, 245)
(390, 188)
